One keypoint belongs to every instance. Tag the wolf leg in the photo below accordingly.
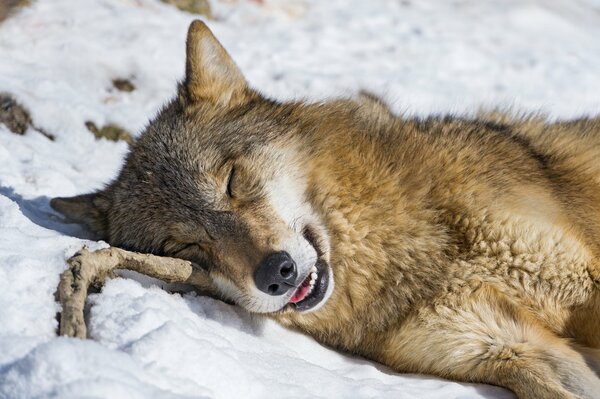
(87, 268)
(584, 321)
(484, 337)
(584, 325)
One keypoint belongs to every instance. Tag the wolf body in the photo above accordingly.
(464, 248)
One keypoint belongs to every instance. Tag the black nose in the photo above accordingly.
(276, 274)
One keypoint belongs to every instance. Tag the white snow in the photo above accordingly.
(58, 58)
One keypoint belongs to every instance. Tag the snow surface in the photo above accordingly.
(58, 58)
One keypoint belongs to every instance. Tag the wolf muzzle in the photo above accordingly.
(276, 274)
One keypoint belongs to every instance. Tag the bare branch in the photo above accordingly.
(87, 268)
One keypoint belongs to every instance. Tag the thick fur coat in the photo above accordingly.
(463, 248)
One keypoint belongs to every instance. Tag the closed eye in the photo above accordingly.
(194, 253)
(186, 247)
(230, 182)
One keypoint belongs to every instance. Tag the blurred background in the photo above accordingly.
(79, 80)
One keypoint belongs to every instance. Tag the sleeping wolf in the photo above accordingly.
(463, 248)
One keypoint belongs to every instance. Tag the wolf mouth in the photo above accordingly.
(313, 289)
(306, 287)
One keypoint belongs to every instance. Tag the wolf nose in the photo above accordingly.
(276, 274)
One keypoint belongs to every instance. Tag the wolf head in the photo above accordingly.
(218, 178)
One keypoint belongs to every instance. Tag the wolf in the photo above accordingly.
(466, 248)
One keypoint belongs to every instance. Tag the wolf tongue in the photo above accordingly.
(301, 292)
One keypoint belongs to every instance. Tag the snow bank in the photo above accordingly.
(58, 58)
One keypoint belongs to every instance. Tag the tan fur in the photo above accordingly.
(471, 212)
(463, 248)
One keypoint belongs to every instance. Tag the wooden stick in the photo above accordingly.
(86, 268)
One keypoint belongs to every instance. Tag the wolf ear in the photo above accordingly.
(210, 73)
(87, 209)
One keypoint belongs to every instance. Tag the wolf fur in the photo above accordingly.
(467, 248)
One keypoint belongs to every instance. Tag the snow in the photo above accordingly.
(58, 58)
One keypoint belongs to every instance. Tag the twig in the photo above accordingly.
(87, 268)
(44, 133)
